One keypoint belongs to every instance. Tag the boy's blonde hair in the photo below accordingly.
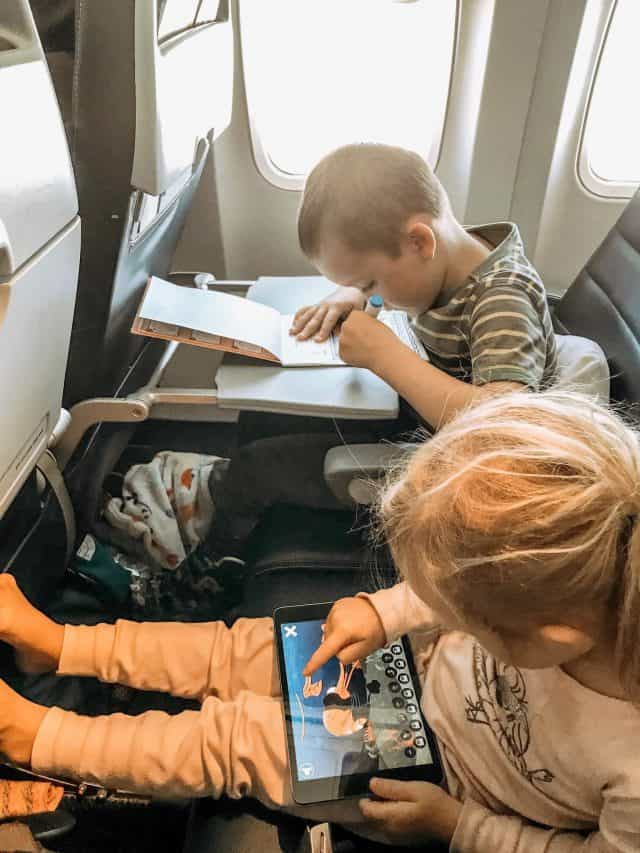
(364, 194)
(523, 511)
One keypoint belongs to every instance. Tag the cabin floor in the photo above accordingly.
(158, 828)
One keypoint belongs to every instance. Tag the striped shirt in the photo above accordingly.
(496, 326)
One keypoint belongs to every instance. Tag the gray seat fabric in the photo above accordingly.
(603, 303)
(55, 22)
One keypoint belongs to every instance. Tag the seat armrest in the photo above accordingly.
(352, 471)
(583, 366)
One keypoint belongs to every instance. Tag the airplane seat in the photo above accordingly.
(39, 257)
(603, 303)
(151, 89)
(328, 548)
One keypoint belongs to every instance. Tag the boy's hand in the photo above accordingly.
(321, 319)
(411, 813)
(352, 631)
(364, 341)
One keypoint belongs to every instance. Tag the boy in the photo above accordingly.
(375, 219)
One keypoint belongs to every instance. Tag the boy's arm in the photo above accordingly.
(436, 396)
(510, 334)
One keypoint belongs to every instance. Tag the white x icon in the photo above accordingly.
(290, 631)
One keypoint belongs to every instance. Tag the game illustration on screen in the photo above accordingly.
(354, 718)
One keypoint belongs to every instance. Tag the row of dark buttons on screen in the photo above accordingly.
(394, 687)
(398, 702)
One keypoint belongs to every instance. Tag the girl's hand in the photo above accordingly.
(411, 813)
(352, 631)
(321, 319)
(365, 341)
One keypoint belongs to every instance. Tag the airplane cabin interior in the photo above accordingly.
(171, 139)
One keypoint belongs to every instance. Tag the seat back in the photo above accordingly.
(603, 303)
(145, 104)
(55, 24)
(39, 250)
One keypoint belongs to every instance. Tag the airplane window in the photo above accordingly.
(324, 73)
(208, 11)
(175, 16)
(610, 161)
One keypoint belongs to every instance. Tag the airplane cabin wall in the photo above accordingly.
(520, 82)
(562, 221)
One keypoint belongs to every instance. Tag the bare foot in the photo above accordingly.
(20, 720)
(37, 640)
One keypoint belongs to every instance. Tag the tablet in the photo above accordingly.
(347, 723)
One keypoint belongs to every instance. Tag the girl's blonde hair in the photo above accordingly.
(524, 510)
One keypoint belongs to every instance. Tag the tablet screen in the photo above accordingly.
(351, 719)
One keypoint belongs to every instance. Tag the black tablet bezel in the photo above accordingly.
(341, 787)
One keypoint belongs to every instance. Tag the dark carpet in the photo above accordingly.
(158, 828)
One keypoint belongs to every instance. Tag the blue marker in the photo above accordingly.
(374, 306)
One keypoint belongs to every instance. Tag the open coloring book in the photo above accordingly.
(225, 322)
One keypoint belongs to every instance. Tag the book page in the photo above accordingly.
(307, 353)
(212, 315)
(399, 323)
(310, 353)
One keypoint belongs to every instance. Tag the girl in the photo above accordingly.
(516, 530)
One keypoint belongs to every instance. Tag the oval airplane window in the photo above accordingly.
(610, 152)
(324, 73)
(209, 11)
(175, 16)
(178, 16)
